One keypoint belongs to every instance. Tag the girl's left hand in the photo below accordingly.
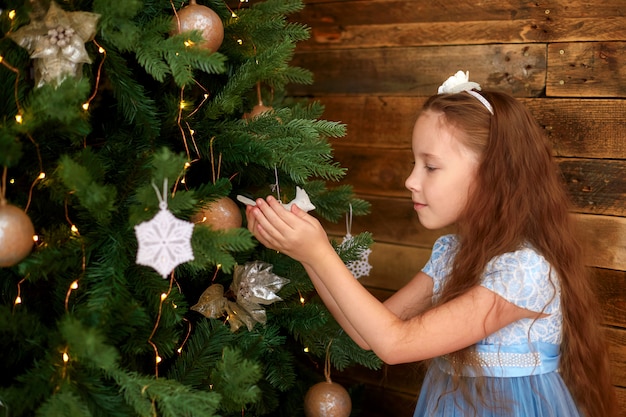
(294, 233)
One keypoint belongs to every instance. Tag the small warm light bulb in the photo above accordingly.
(158, 359)
(219, 266)
(233, 15)
(12, 14)
(101, 50)
(66, 357)
(174, 305)
(74, 285)
(192, 131)
(239, 41)
(1, 58)
(302, 300)
(18, 118)
(187, 164)
(163, 296)
(179, 350)
(206, 95)
(12, 181)
(35, 238)
(41, 176)
(189, 43)
(182, 181)
(18, 300)
(74, 229)
(182, 104)
(86, 106)
(306, 350)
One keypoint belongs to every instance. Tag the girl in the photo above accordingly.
(504, 306)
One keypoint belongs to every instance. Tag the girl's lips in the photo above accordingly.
(418, 206)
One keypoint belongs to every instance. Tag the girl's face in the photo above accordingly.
(443, 174)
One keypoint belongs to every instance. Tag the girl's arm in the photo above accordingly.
(407, 302)
(394, 337)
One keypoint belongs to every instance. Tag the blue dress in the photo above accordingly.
(520, 361)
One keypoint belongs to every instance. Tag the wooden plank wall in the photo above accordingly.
(375, 61)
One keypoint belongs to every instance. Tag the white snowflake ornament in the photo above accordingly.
(165, 241)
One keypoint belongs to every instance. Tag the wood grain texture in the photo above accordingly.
(376, 24)
(518, 69)
(595, 186)
(587, 69)
(604, 239)
(387, 122)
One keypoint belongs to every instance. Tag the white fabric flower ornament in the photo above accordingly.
(457, 83)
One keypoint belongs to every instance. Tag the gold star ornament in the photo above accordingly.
(56, 43)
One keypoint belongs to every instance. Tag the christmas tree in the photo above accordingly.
(129, 285)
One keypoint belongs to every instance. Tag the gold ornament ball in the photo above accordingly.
(327, 399)
(16, 235)
(197, 17)
(257, 110)
(222, 214)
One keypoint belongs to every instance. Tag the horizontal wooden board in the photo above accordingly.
(519, 69)
(596, 186)
(393, 221)
(611, 287)
(586, 69)
(387, 122)
(604, 240)
(541, 30)
(368, 12)
(585, 128)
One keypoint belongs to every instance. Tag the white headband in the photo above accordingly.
(460, 82)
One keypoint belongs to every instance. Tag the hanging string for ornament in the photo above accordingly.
(165, 241)
(276, 187)
(360, 267)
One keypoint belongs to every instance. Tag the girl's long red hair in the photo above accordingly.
(520, 197)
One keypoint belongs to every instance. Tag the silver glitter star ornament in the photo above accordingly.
(165, 241)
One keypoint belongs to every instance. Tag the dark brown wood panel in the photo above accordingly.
(387, 121)
(611, 287)
(464, 33)
(604, 239)
(597, 132)
(374, 120)
(360, 12)
(596, 186)
(391, 220)
(587, 69)
(519, 69)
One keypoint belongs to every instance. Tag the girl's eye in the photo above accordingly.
(429, 168)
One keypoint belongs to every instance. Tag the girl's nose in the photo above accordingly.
(412, 182)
